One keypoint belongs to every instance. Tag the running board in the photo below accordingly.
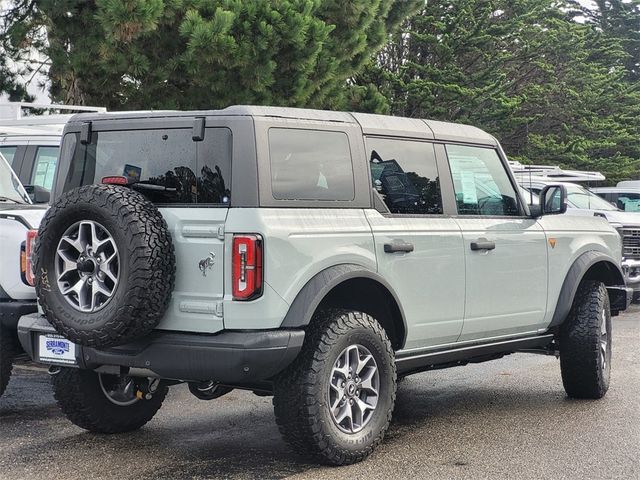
(417, 362)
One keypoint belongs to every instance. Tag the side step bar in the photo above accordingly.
(417, 362)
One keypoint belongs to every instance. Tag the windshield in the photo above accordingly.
(580, 197)
(11, 190)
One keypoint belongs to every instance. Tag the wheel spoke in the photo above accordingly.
(87, 266)
(353, 388)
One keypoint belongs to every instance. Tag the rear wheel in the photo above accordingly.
(7, 352)
(585, 343)
(103, 403)
(335, 401)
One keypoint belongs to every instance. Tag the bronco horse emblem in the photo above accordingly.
(207, 263)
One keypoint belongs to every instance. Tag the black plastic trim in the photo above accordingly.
(420, 361)
(234, 357)
(10, 312)
(308, 299)
(574, 276)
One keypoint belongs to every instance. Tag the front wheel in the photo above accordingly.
(102, 403)
(585, 343)
(335, 401)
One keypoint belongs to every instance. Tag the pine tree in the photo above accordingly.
(554, 91)
(140, 54)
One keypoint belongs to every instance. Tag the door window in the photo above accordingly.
(405, 174)
(628, 201)
(481, 183)
(310, 165)
(8, 153)
(44, 167)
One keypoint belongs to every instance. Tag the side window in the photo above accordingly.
(480, 182)
(44, 167)
(629, 202)
(405, 174)
(8, 153)
(310, 165)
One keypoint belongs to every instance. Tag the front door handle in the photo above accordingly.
(398, 247)
(483, 244)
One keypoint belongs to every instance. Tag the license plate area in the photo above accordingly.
(56, 349)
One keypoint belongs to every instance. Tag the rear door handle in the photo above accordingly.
(398, 247)
(483, 244)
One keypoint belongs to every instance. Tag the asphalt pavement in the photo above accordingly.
(508, 418)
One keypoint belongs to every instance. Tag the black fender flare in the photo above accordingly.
(306, 302)
(576, 273)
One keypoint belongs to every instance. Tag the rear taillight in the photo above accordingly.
(247, 267)
(29, 260)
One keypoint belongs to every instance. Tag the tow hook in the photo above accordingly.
(54, 370)
(147, 388)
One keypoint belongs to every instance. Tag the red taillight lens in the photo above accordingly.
(247, 267)
(30, 248)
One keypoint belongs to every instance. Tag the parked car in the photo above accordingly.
(17, 216)
(626, 199)
(31, 143)
(307, 254)
(581, 201)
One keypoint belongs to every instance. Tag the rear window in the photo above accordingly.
(310, 165)
(164, 164)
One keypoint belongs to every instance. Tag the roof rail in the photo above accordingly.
(15, 110)
(554, 173)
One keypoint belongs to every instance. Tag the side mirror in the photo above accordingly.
(37, 194)
(553, 200)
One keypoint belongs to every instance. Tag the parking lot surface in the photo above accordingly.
(504, 419)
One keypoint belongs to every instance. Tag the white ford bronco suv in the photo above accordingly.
(312, 255)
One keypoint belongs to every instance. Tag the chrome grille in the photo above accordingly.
(630, 242)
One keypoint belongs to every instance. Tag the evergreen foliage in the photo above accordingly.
(141, 54)
(557, 81)
(552, 89)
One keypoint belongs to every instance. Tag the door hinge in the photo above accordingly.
(219, 310)
(221, 232)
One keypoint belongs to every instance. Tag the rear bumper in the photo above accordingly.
(233, 357)
(10, 312)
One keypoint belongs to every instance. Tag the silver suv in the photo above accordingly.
(313, 255)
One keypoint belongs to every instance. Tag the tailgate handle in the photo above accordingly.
(483, 244)
(398, 247)
(193, 231)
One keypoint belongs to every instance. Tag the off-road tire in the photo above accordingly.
(146, 263)
(300, 391)
(581, 363)
(82, 400)
(7, 353)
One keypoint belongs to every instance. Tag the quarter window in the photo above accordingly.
(44, 167)
(405, 174)
(480, 182)
(310, 165)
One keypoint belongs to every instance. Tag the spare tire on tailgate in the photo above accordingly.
(105, 265)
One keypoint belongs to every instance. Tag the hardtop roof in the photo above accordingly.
(371, 124)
